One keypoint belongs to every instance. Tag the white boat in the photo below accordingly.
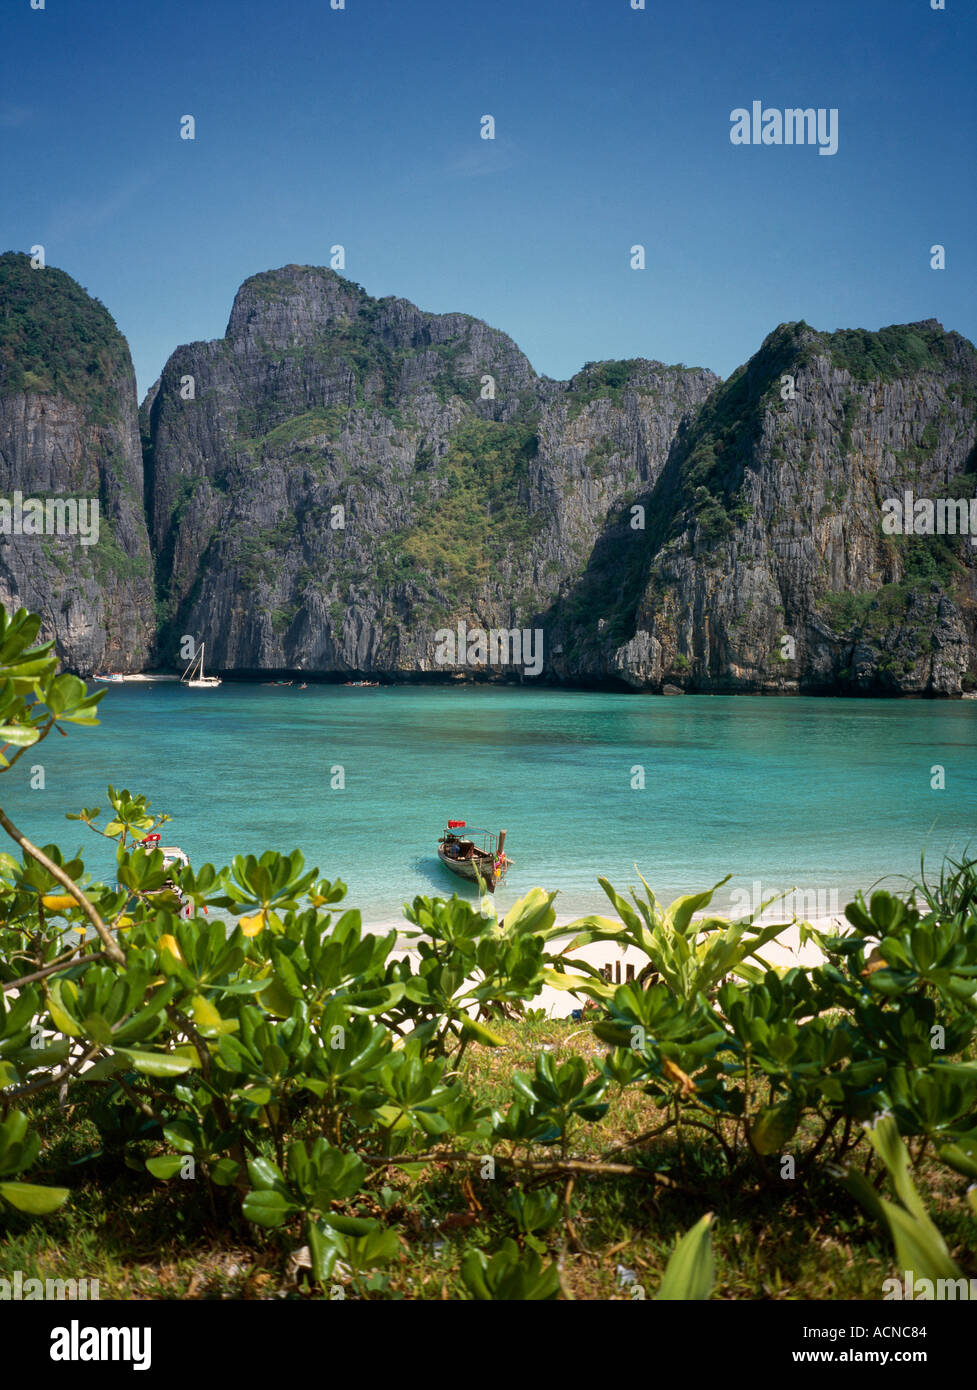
(110, 676)
(194, 674)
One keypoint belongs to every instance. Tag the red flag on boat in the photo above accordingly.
(456, 824)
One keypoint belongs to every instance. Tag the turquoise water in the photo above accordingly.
(828, 795)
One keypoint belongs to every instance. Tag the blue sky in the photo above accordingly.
(361, 127)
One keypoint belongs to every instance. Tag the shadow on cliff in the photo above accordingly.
(616, 577)
(698, 496)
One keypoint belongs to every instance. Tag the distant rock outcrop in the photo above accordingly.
(340, 478)
(68, 430)
(765, 566)
(354, 474)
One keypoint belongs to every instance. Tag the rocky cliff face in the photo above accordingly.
(68, 432)
(339, 478)
(765, 565)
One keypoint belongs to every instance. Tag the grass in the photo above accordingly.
(325, 421)
(146, 1239)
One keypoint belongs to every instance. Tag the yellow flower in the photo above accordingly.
(170, 943)
(58, 902)
(251, 926)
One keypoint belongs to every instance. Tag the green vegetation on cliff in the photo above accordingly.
(900, 350)
(600, 381)
(481, 511)
(729, 426)
(55, 339)
(908, 603)
(723, 439)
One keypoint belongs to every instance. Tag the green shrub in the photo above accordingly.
(287, 1056)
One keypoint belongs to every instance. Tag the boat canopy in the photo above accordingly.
(470, 832)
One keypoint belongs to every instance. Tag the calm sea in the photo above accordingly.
(826, 795)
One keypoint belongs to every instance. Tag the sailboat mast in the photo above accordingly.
(196, 659)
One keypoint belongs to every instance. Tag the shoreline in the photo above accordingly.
(783, 953)
(581, 685)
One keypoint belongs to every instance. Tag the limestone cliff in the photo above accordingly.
(339, 477)
(68, 430)
(764, 564)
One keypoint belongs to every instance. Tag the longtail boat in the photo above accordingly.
(485, 860)
(173, 857)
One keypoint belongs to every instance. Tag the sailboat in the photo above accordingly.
(194, 674)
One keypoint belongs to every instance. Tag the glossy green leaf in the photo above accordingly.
(690, 1273)
(267, 1207)
(35, 1201)
(158, 1064)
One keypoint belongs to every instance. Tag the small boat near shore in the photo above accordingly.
(485, 861)
(194, 674)
(173, 856)
(137, 677)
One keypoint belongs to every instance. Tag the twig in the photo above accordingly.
(70, 1071)
(202, 1050)
(112, 950)
(40, 739)
(843, 1146)
(53, 969)
(825, 1135)
(570, 1229)
(530, 1165)
(143, 1106)
(698, 1124)
(638, 1139)
(220, 1105)
(616, 1249)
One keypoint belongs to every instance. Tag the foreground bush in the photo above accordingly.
(294, 1063)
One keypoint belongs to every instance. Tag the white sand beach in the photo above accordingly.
(783, 953)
